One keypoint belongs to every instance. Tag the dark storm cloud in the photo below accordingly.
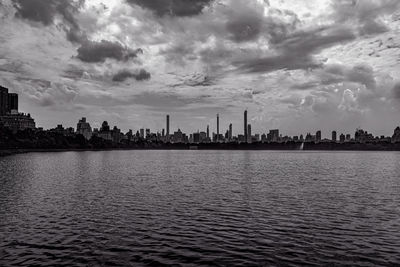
(272, 63)
(75, 35)
(179, 8)
(94, 52)
(245, 26)
(44, 11)
(248, 22)
(141, 75)
(296, 50)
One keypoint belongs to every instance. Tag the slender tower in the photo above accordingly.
(217, 127)
(167, 127)
(208, 131)
(249, 133)
(230, 132)
(245, 125)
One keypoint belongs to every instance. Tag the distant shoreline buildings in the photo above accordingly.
(9, 115)
(15, 121)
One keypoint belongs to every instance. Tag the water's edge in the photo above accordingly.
(10, 152)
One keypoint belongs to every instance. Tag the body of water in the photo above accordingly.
(200, 208)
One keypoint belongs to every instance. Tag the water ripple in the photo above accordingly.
(200, 208)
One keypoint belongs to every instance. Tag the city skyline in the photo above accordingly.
(294, 65)
(11, 118)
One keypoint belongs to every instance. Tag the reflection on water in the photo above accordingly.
(132, 208)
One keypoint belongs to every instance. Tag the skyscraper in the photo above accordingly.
(334, 136)
(248, 133)
(83, 128)
(245, 126)
(3, 100)
(167, 127)
(208, 131)
(230, 132)
(318, 136)
(217, 127)
(12, 102)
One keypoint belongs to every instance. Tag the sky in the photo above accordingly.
(296, 65)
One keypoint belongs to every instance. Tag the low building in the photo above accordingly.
(18, 121)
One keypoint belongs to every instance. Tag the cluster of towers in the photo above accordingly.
(218, 136)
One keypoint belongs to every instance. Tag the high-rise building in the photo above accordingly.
(12, 102)
(104, 127)
(245, 126)
(8, 102)
(203, 137)
(105, 132)
(3, 101)
(178, 136)
(342, 138)
(196, 137)
(142, 133)
(208, 131)
(83, 128)
(334, 136)
(273, 135)
(167, 127)
(318, 136)
(217, 127)
(129, 135)
(248, 133)
(230, 132)
(116, 135)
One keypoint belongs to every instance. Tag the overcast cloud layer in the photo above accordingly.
(297, 65)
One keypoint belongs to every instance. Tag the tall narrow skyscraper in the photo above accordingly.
(3, 100)
(245, 126)
(12, 102)
(167, 127)
(217, 127)
(208, 131)
(249, 133)
(230, 132)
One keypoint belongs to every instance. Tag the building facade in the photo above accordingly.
(83, 128)
(18, 121)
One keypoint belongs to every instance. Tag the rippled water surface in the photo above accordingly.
(193, 208)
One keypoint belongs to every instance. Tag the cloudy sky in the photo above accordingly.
(296, 65)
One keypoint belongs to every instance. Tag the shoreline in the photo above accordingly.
(10, 152)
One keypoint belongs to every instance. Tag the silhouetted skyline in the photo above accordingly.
(11, 118)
